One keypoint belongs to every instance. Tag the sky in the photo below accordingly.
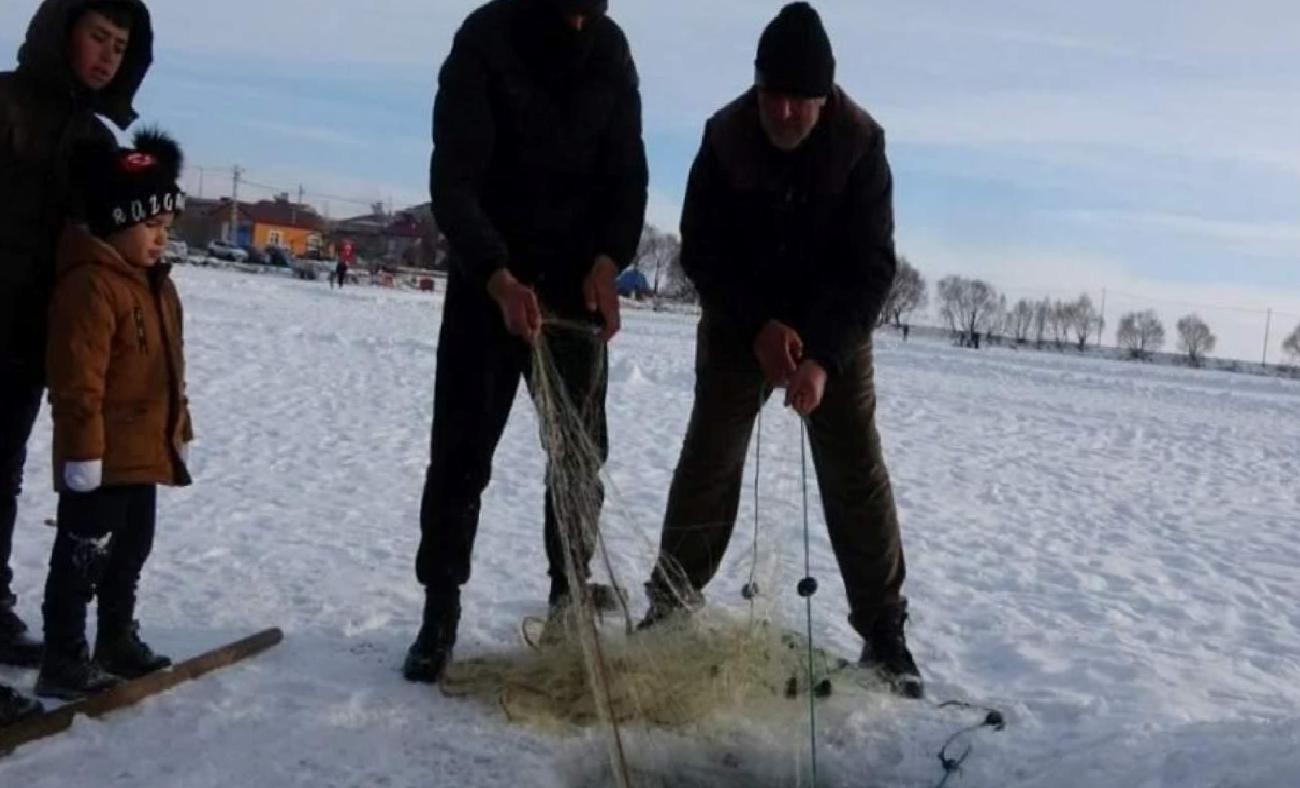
(1147, 153)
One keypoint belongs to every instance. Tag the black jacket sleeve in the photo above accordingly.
(463, 139)
(625, 176)
(847, 304)
(724, 290)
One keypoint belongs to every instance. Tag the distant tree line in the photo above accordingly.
(976, 313)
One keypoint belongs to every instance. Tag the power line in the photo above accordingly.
(273, 189)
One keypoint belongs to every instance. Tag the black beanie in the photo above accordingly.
(794, 54)
(124, 187)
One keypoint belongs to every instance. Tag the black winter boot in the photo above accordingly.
(605, 598)
(76, 566)
(15, 707)
(668, 606)
(17, 648)
(72, 675)
(430, 654)
(561, 623)
(120, 651)
(562, 617)
(886, 652)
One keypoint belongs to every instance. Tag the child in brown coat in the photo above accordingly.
(121, 419)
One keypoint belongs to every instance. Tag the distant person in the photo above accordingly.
(341, 272)
(80, 59)
(116, 365)
(788, 234)
(539, 182)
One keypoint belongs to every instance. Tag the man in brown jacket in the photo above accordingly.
(121, 418)
(787, 232)
(80, 58)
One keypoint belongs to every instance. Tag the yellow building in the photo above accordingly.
(281, 223)
(277, 222)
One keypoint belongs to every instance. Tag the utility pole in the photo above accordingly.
(293, 212)
(201, 183)
(237, 173)
(1268, 326)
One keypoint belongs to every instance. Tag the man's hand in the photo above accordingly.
(518, 304)
(807, 387)
(601, 295)
(779, 350)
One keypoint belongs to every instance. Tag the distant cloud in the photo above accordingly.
(1266, 239)
(1149, 146)
(307, 133)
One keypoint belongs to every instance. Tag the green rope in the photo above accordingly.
(750, 592)
(807, 566)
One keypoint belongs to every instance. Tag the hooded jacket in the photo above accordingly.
(538, 162)
(45, 115)
(117, 366)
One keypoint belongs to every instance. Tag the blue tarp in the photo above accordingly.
(632, 283)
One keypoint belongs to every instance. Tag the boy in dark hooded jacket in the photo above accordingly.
(81, 58)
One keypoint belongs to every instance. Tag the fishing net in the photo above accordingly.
(665, 704)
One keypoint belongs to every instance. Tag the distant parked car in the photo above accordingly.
(176, 252)
(255, 256)
(225, 251)
(279, 257)
(307, 269)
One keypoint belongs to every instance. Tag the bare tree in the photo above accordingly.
(1292, 345)
(1195, 339)
(1141, 334)
(1060, 319)
(679, 286)
(655, 254)
(969, 306)
(1084, 320)
(1042, 321)
(907, 294)
(997, 322)
(1020, 321)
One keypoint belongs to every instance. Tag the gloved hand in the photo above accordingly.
(83, 476)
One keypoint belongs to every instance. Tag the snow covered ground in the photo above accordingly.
(1107, 552)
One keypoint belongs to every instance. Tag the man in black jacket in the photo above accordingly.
(80, 58)
(539, 182)
(787, 232)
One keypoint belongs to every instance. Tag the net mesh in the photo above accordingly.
(665, 704)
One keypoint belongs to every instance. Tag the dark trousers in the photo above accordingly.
(103, 541)
(846, 451)
(20, 402)
(479, 368)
